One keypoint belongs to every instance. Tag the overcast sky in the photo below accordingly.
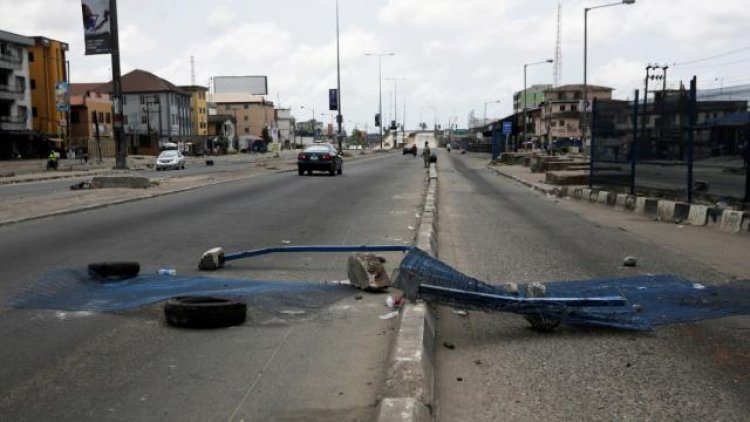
(455, 54)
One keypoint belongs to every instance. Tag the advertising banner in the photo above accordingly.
(96, 29)
(62, 102)
(333, 99)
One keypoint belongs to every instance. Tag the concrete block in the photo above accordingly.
(698, 215)
(601, 197)
(665, 210)
(640, 204)
(621, 200)
(681, 211)
(593, 196)
(577, 193)
(651, 207)
(731, 221)
(630, 202)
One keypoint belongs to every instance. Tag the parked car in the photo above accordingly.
(320, 157)
(170, 159)
(410, 149)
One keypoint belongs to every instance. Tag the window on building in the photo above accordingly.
(578, 95)
(562, 108)
(245, 118)
(574, 107)
(31, 56)
(561, 123)
(144, 119)
(553, 124)
(33, 84)
(245, 106)
(108, 118)
(143, 100)
(93, 117)
(247, 130)
(101, 117)
(124, 119)
(74, 119)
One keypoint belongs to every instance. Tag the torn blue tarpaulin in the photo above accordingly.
(76, 290)
(634, 303)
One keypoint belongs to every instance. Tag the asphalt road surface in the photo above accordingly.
(321, 363)
(499, 369)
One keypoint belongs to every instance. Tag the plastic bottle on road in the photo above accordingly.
(167, 271)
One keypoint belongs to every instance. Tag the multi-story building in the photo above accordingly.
(562, 111)
(155, 111)
(91, 120)
(534, 96)
(198, 109)
(252, 112)
(48, 77)
(15, 95)
(285, 124)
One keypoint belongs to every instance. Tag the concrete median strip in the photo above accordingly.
(409, 391)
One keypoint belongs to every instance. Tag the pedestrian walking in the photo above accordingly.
(448, 147)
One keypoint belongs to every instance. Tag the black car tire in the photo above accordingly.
(114, 270)
(204, 312)
(301, 172)
(332, 170)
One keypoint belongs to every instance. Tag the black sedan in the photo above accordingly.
(320, 157)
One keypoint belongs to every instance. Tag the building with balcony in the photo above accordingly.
(155, 111)
(91, 120)
(198, 110)
(15, 95)
(48, 75)
(563, 109)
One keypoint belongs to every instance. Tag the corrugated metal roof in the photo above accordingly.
(142, 81)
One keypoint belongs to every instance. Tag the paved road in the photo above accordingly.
(324, 364)
(500, 231)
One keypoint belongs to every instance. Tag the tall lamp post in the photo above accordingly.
(525, 95)
(585, 60)
(380, 89)
(395, 108)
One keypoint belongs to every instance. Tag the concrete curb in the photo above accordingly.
(409, 393)
(729, 221)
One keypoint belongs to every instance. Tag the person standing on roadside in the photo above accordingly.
(426, 154)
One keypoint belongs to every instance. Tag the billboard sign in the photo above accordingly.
(254, 85)
(333, 99)
(62, 102)
(96, 28)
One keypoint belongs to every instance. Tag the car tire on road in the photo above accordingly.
(332, 170)
(114, 270)
(301, 172)
(204, 312)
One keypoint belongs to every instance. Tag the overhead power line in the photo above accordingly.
(716, 56)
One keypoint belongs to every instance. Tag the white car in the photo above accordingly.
(170, 159)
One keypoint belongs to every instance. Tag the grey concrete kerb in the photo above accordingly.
(409, 391)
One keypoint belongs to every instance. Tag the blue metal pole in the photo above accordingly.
(300, 249)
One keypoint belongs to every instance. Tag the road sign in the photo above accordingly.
(333, 99)
(507, 128)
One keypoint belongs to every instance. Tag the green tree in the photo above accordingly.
(356, 138)
(266, 135)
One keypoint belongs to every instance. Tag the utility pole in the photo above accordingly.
(380, 89)
(121, 147)
(339, 117)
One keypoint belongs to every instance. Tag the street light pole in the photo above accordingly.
(525, 95)
(395, 107)
(339, 117)
(585, 61)
(380, 89)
